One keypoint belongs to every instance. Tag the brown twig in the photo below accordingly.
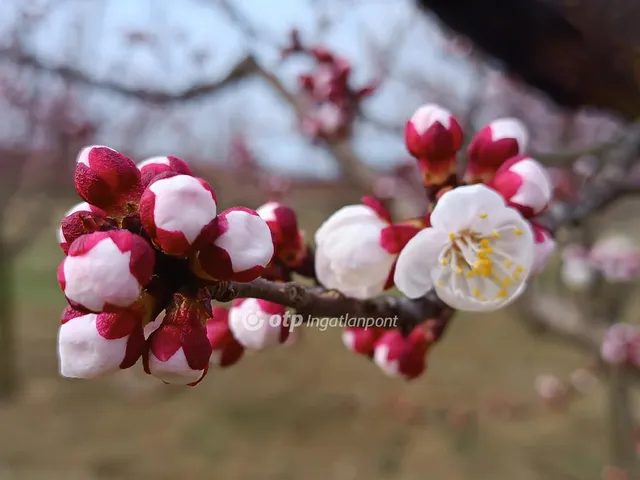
(319, 302)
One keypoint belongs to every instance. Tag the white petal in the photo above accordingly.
(343, 217)
(417, 260)
(102, 275)
(84, 353)
(458, 208)
(175, 370)
(468, 303)
(182, 204)
(248, 240)
(350, 259)
(254, 328)
(381, 359)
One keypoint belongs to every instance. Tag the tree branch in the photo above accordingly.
(317, 302)
(551, 315)
(242, 70)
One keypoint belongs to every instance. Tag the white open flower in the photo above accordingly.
(477, 254)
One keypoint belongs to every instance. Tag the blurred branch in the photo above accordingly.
(242, 22)
(560, 318)
(612, 183)
(559, 159)
(242, 70)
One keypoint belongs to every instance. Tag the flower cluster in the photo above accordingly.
(480, 241)
(139, 252)
(559, 394)
(621, 344)
(334, 101)
(395, 353)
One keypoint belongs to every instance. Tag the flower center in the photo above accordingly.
(480, 265)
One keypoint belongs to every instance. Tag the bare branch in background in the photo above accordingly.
(242, 70)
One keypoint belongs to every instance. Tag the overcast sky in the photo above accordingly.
(92, 34)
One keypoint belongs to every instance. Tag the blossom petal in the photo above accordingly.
(458, 208)
(416, 262)
(345, 216)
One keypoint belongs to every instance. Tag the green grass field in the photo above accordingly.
(309, 411)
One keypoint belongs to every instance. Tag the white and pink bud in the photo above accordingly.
(400, 356)
(95, 344)
(576, 271)
(226, 350)
(544, 248)
(617, 258)
(357, 247)
(361, 340)
(154, 166)
(106, 271)
(288, 240)
(621, 344)
(107, 179)
(178, 351)
(242, 248)
(178, 212)
(525, 184)
(258, 324)
(80, 220)
(494, 144)
(433, 133)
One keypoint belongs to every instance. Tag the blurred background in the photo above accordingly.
(238, 88)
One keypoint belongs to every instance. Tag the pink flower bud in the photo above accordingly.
(621, 344)
(433, 134)
(361, 340)
(178, 212)
(226, 349)
(544, 248)
(400, 356)
(154, 166)
(91, 345)
(287, 238)
(617, 258)
(258, 324)
(80, 220)
(241, 250)
(525, 184)
(107, 179)
(178, 352)
(492, 146)
(550, 388)
(106, 270)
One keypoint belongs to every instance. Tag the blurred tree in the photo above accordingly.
(581, 53)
